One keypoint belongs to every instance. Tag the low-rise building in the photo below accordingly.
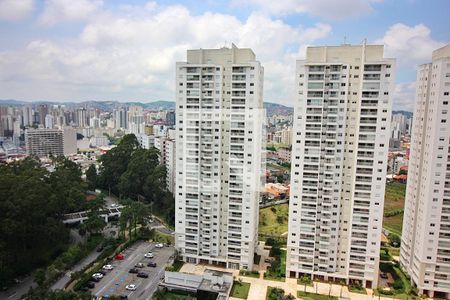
(211, 283)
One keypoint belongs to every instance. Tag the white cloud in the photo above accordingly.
(56, 11)
(409, 45)
(330, 9)
(404, 96)
(13, 10)
(132, 55)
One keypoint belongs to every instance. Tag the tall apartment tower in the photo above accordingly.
(219, 158)
(425, 247)
(339, 160)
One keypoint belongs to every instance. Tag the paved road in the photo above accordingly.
(115, 281)
(17, 291)
(61, 283)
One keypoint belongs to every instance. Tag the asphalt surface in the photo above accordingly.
(115, 281)
(61, 283)
(16, 292)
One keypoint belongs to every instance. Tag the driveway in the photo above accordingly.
(115, 281)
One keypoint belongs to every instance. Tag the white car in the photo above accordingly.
(108, 267)
(131, 287)
(97, 275)
(114, 205)
(148, 255)
(159, 245)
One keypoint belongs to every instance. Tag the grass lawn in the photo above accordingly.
(164, 238)
(312, 296)
(177, 265)
(274, 220)
(246, 273)
(240, 290)
(394, 196)
(394, 199)
(178, 296)
(394, 224)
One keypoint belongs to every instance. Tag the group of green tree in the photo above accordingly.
(32, 204)
(132, 172)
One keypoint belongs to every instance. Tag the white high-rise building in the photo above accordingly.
(136, 123)
(219, 157)
(49, 121)
(425, 247)
(82, 117)
(339, 160)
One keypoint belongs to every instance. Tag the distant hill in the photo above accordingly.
(11, 102)
(277, 109)
(407, 114)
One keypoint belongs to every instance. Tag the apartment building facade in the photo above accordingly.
(425, 247)
(219, 157)
(45, 141)
(339, 160)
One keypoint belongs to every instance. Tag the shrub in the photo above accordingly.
(270, 242)
(275, 251)
(398, 284)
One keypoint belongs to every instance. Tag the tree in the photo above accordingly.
(394, 239)
(31, 209)
(91, 177)
(95, 222)
(403, 172)
(39, 276)
(132, 172)
(115, 162)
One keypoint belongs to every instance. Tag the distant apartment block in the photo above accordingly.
(284, 154)
(425, 247)
(219, 157)
(339, 161)
(45, 141)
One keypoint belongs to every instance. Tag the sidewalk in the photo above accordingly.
(258, 286)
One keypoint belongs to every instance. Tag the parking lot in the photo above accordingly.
(115, 281)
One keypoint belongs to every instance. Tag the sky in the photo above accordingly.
(77, 50)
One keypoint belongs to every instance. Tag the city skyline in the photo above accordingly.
(118, 51)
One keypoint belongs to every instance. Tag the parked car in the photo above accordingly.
(151, 264)
(100, 248)
(90, 284)
(120, 256)
(133, 271)
(142, 275)
(95, 279)
(123, 297)
(97, 275)
(131, 287)
(139, 265)
(384, 275)
(103, 272)
(108, 267)
(159, 245)
(148, 255)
